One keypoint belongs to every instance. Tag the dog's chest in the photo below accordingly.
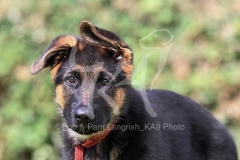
(101, 152)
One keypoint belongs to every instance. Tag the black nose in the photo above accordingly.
(81, 116)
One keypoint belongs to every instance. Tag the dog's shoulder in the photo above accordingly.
(177, 107)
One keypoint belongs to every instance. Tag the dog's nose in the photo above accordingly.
(81, 116)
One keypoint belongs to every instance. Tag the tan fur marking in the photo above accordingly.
(127, 68)
(127, 64)
(127, 54)
(55, 70)
(80, 46)
(113, 154)
(59, 96)
(119, 98)
(69, 40)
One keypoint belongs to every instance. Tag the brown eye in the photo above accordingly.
(71, 79)
(106, 82)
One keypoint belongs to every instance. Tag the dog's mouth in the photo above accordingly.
(89, 129)
(85, 132)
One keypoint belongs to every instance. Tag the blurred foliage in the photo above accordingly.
(203, 62)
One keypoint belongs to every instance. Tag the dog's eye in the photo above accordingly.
(71, 79)
(106, 82)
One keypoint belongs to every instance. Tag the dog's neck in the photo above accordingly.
(80, 147)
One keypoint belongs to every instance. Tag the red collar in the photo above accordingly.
(79, 150)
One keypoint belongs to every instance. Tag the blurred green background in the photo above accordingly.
(203, 62)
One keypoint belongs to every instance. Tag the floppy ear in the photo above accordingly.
(99, 37)
(108, 40)
(59, 48)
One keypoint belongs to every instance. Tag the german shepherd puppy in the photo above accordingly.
(92, 77)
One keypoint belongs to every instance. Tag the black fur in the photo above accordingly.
(203, 137)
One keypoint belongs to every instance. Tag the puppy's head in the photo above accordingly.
(91, 76)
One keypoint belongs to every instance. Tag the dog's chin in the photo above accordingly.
(77, 136)
(82, 135)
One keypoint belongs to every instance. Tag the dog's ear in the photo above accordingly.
(103, 38)
(59, 48)
(108, 40)
(99, 37)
